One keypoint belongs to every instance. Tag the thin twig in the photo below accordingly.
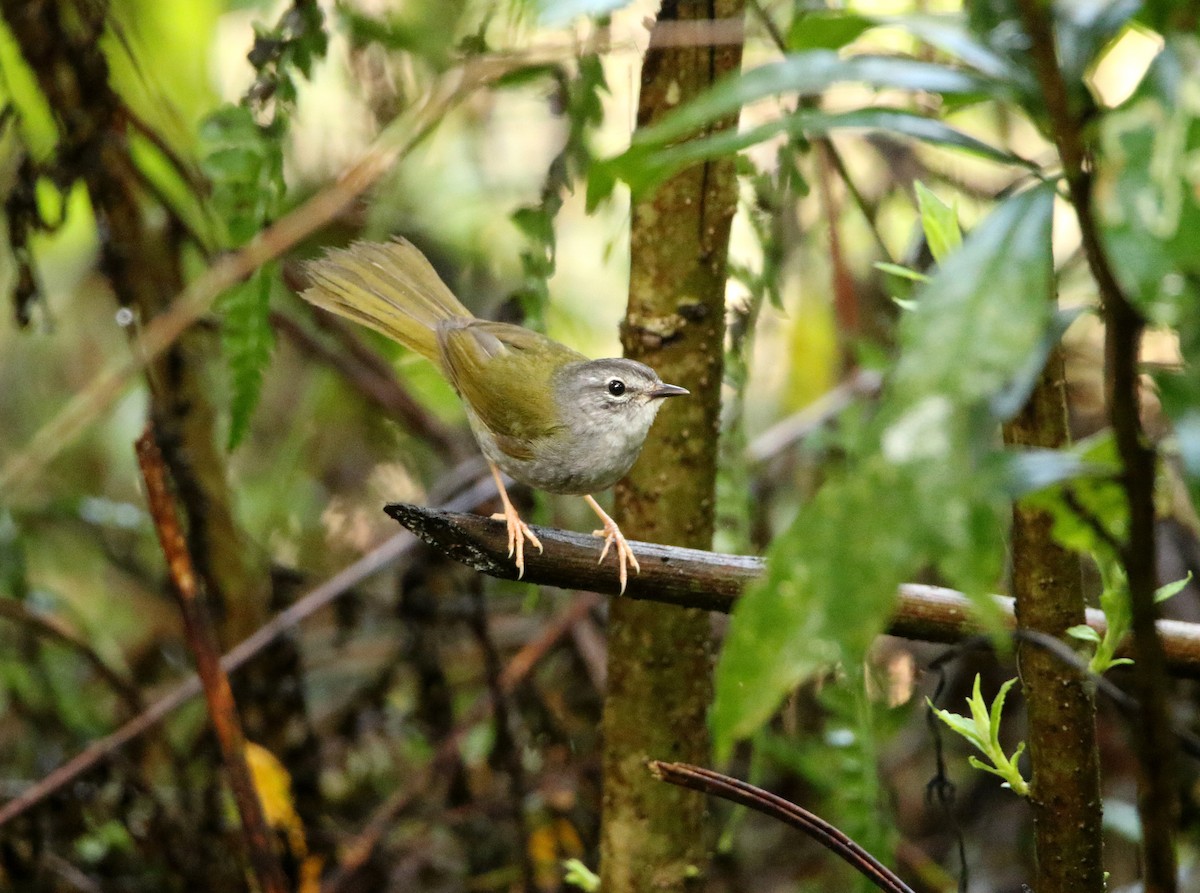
(697, 778)
(202, 639)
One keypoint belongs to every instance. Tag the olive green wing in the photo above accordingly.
(505, 373)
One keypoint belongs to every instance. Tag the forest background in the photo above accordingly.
(929, 271)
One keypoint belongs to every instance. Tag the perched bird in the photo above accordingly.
(543, 413)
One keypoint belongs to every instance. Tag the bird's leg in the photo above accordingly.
(613, 536)
(518, 530)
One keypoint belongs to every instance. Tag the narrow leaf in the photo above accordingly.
(807, 74)
(940, 223)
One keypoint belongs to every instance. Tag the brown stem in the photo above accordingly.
(1048, 594)
(202, 639)
(1158, 799)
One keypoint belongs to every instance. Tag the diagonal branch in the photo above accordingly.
(829, 836)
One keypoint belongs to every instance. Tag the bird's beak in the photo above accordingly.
(669, 390)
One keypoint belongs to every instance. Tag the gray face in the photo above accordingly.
(614, 394)
(607, 409)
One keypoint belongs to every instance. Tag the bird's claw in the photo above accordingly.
(518, 532)
(625, 557)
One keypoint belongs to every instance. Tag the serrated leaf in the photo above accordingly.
(963, 727)
(247, 340)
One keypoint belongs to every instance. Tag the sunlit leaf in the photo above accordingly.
(822, 29)
(1085, 28)
(940, 223)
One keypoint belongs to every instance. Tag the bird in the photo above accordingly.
(541, 412)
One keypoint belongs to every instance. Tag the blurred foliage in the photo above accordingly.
(913, 141)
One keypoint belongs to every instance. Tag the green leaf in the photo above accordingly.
(940, 223)
(808, 74)
(901, 271)
(247, 339)
(928, 458)
(828, 590)
(950, 34)
(1084, 633)
(826, 29)
(985, 310)
(1147, 195)
(647, 163)
(1169, 590)
(1095, 498)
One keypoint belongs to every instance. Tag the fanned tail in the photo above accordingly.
(388, 286)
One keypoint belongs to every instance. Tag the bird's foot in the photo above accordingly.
(613, 537)
(518, 532)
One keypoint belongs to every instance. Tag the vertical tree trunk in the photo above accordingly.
(1048, 589)
(659, 676)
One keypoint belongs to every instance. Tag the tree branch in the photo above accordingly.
(713, 581)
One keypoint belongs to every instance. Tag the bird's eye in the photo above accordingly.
(616, 387)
